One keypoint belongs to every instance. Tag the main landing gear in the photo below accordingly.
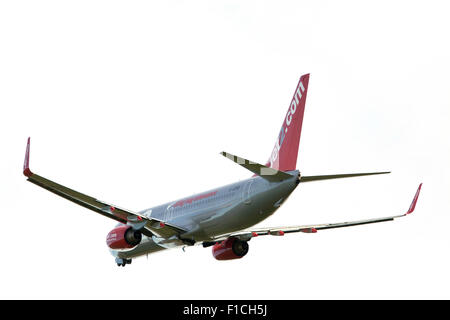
(122, 262)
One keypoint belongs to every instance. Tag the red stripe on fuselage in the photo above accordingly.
(181, 203)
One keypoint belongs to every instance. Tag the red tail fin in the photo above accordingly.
(284, 154)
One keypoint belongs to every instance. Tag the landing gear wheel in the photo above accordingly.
(122, 262)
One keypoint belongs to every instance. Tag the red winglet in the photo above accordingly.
(26, 164)
(413, 203)
(254, 234)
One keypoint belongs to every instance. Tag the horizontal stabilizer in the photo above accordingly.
(264, 172)
(338, 176)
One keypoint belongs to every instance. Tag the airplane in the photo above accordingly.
(221, 218)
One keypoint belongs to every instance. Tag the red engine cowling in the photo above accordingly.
(123, 237)
(229, 249)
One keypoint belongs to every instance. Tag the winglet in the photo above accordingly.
(413, 203)
(26, 164)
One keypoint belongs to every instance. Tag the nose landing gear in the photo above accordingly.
(122, 262)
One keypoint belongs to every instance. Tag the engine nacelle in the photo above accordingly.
(231, 248)
(123, 237)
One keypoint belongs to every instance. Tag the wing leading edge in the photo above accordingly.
(125, 216)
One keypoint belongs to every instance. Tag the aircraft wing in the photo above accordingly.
(137, 220)
(280, 231)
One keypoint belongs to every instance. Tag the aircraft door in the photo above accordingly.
(246, 193)
(169, 213)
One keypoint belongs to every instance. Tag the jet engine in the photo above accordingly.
(123, 237)
(231, 248)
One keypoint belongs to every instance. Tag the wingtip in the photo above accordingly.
(227, 155)
(414, 202)
(26, 164)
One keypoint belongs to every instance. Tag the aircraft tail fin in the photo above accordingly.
(285, 151)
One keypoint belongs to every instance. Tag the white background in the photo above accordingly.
(132, 101)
